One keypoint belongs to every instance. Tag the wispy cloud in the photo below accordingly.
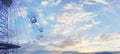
(50, 3)
(94, 2)
(89, 26)
(81, 43)
(74, 16)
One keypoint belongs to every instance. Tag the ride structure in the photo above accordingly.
(12, 29)
(6, 47)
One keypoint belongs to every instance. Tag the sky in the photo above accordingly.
(69, 25)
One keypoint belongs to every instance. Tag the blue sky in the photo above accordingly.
(69, 25)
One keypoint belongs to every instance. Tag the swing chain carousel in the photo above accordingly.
(5, 33)
(8, 31)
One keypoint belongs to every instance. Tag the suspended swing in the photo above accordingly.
(33, 19)
(40, 29)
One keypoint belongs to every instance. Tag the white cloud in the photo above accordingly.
(51, 17)
(74, 18)
(102, 2)
(89, 2)
(82, 43)
(86, 27)
(73, 6)
(109, 37)
(50, 3)
(89, 26)
(44, 21)
(112, 8)
(23, 41)
(68, 21)
(55, 2)
(44, 3)
(79, 43)
(23, 12)
(94, 2)
(58, 2)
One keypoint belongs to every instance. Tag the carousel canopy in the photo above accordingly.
(7, 2)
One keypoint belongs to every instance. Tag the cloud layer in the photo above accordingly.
(67, 26)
